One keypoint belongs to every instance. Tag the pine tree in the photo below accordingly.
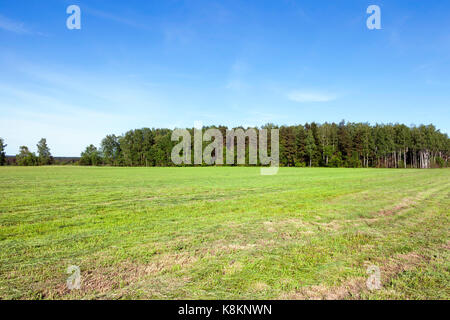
(310, 146)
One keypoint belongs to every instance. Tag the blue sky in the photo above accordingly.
(169, 63)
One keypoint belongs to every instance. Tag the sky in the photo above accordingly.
(170, 64)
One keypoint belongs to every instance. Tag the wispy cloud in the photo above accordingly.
(130, 21)
(55, 101)
(13, 26)
(310, 96)
(95, 89)
(18, 27)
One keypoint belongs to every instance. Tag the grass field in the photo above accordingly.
(210, 233)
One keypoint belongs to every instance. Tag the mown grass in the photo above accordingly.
(223, 233)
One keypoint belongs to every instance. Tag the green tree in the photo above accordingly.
(336, 160)
(44, 155)
(26, 157)
(287, 146)
(402, 140)
(91, 156)
(327, 135)
(2, 152)
(344, 139)
(110, 149)
(300, 137)
(310, 146)
(346, 144)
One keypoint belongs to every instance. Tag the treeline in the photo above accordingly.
(27, 158)
(330, 145)
(363, 145)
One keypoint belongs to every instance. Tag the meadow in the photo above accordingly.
(224, 233)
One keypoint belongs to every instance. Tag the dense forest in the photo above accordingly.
(333, 145)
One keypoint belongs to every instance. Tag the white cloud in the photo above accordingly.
(310, 96)
(12, 26)
(17, 27)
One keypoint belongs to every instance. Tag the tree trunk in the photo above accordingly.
(395, 159)
(404, 157)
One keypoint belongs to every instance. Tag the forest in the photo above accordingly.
(345, 144)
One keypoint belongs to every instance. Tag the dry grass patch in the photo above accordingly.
(354, 287)
(100, 280)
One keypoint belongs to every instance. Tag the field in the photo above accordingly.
(224, 233)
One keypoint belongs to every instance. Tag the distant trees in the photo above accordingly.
(143, 147)
(2, 152)
(330, 145)
(91, 156)
(362, 145)
(310, 146)
(44, 155)
(344, 144)
(110, 148)
(26, 157)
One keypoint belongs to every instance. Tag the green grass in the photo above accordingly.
(223, 233)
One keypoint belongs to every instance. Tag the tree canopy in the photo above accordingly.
(91, 156)
(345, 144)
(44, 155)
(26, 157)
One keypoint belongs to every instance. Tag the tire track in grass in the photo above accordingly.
(355, 288)
(391, 267)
